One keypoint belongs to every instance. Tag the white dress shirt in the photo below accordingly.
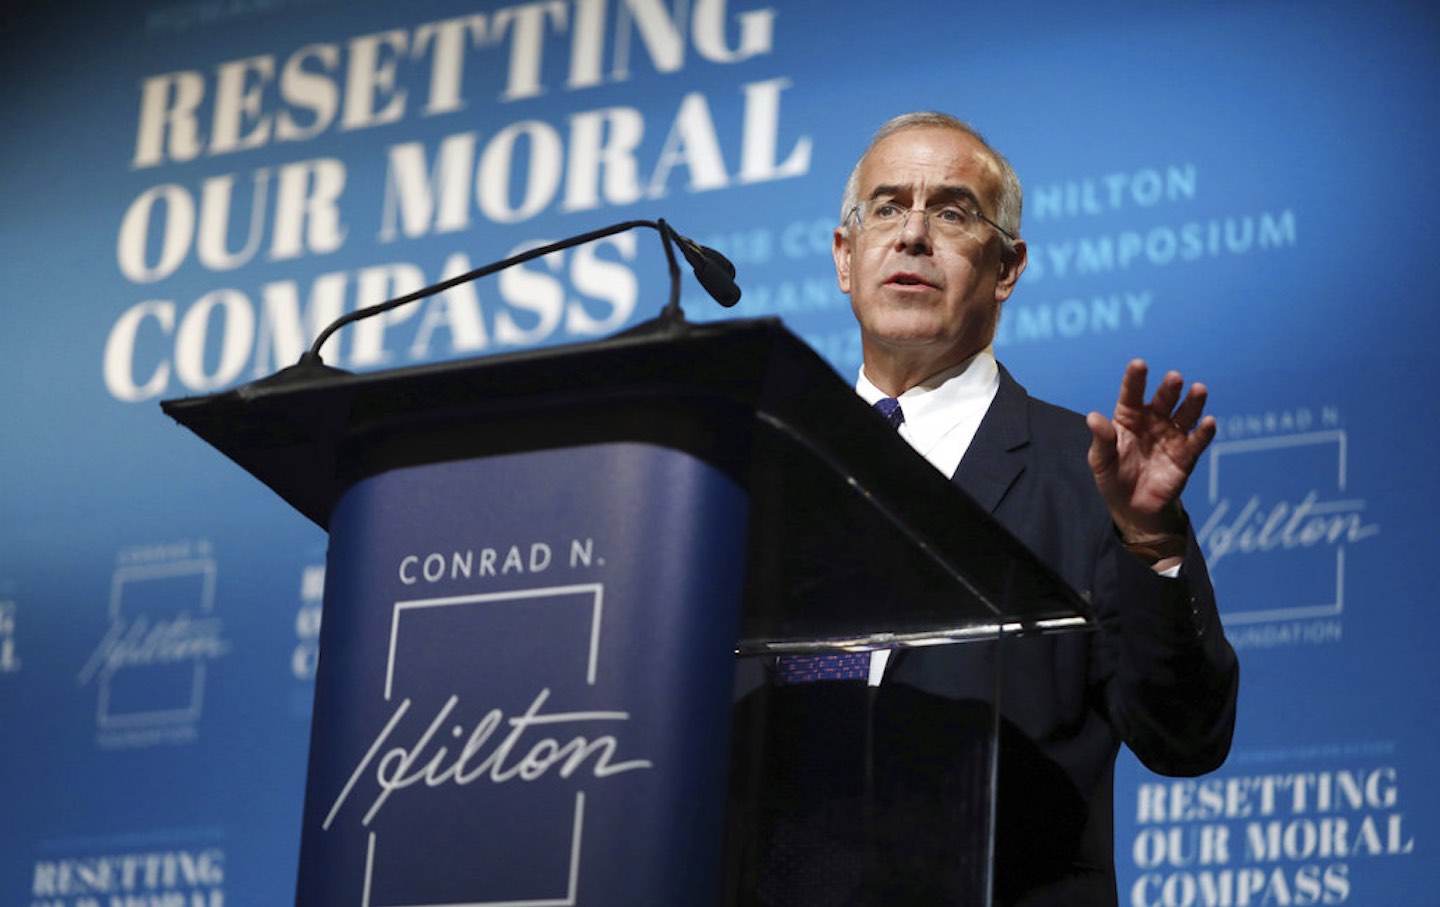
(943, 412)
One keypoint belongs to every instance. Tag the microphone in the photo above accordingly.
(713, 270)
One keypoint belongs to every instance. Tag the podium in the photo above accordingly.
(556, 584)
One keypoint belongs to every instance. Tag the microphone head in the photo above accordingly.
(712, 257)
(715, 272)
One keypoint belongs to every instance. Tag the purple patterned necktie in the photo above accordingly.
(810, 668)
(889, 407)
(844, 665)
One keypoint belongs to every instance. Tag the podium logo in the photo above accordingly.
(1283, 522)
(150, 667)
(435, 739)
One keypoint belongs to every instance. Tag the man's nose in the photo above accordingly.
(914, 234)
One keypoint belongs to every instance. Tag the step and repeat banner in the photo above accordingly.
(1242, 191)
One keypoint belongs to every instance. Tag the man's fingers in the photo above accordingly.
(1132, 386)
(1167, 394)
(1201, 437)
(1188, 415)
(1102, 444)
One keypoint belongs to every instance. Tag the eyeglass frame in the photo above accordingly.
(925, 212)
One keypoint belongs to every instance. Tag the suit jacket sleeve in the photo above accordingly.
(1159, 670)
(1169, 676)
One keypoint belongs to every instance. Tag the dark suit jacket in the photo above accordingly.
(1158, 675)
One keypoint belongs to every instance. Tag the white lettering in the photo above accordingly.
(513, 757)
(368, 80)
(1257, 528)
(143, 642)
(120, 347)
(236, 321)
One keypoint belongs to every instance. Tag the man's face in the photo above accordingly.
(924, 298)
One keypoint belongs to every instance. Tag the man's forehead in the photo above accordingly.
(932, 157)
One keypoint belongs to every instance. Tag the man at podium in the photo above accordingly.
(928, 250)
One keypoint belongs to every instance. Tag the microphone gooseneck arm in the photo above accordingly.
(710, 269)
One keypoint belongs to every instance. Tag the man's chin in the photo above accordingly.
(913, 335)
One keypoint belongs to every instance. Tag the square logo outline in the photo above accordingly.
(398, 610)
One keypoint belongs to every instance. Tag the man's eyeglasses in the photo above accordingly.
(951, 221)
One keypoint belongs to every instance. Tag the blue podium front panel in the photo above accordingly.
(524, 683)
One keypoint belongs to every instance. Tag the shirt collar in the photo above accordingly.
(936, 406)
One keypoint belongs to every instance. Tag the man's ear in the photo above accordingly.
(840, 247)
(1012, 265)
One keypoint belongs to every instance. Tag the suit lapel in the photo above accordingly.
(992, 463)
(994, 459)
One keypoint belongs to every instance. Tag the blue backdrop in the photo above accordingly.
(1243, 191)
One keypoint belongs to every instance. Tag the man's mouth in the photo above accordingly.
(908, 280)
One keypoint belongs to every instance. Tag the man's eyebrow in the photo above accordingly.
(939, 193)
(956, 193)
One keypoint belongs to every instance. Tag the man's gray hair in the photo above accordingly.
(1008, 205)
